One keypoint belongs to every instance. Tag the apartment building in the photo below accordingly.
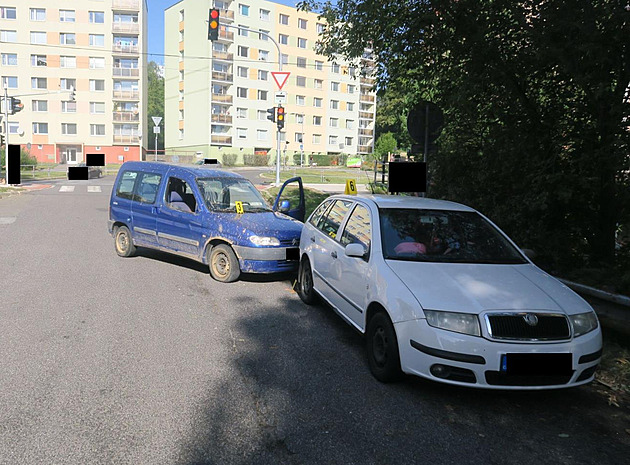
(217, 92)
(96, 48)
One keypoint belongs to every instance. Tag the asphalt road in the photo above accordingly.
(147, 360)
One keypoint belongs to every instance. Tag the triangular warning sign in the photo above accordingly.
(280, 77)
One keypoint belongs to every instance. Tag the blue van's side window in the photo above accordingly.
(148, 187)
(125, 185)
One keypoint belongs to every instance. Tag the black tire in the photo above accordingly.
(382, 348)
(223, 264)
(305, 283)
(123, 243)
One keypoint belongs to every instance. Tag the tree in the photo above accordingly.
(155, 104)
(534, 100)
(385, 144)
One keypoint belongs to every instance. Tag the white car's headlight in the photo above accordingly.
(260, 240)
(583, 323)
(451, 321)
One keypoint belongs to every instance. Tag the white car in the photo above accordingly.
(441, 292)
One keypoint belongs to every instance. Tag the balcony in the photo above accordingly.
(220, 140)
(225, 35)
(367, 81)
(222, 98)
(126, 117)
(126, 72)
(125, 48)
(226, 14)
(127, 28)
(366, 132)
(126, 139)
(222, 56)
(365, 149)
(366, 98)
(222, 76)
(366, 115)
(133, 5)
(127, 94)
(221, 118)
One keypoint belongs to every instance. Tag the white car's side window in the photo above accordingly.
(330, 223)
(358, 229)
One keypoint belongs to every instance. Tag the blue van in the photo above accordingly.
(213, 216)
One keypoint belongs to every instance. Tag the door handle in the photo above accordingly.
(333, 254)
(312, 239)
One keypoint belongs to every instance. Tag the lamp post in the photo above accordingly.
(156, 131)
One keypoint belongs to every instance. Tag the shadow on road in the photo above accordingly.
(302, 393)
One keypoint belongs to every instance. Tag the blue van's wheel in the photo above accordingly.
(223, 264)
(123, 242)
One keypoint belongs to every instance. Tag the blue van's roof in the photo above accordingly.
(197, 172)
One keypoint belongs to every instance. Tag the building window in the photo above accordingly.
(40, 105)
(97, 40)
(38, 14)
(301, 42)
(181, 15)
(242, 31)
(181, 55)
(9, 59)
(67, 38)
(349, 124)
(301, 62)
(299, 137)
(68, 84)
(241, 133)
(350, 89)
(68, 107)
(181, 95)
(300, 81)
(317, 102)
(284, 20)
(67, 62)
(97, 129)
(348, 141)
(302, 23)
(97, 108)
(241, 71)
(263, 75)
(181, 74)
(334, 104)
(181, 115)
(243, 51)
(66, 16)
(8, 36)
(264, 15)
(243, 9)
(335, 68)
(319, 65)
(334, 86)
(181, 36)
(261, 134)
(97, 63)
(262, 115)
(283, 39)
(300, 100)
(8, 12)
(241, 92)
(320, 28)
(350, 106)
(284, 59)
(181, 134)
(97, 17)
(264, 36)
(317, 120)
(319, 84)
(263, 55)
(38, 37)
(69, 129)
(10, 81)
(39, 83)
(332, 140)
(40, 128)
(241, 113)
(334, 122)
(97, 85)
(262, 95)
(299, 118)
(317, 139)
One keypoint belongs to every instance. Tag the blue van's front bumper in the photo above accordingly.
(267, 259)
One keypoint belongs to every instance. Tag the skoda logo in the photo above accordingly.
(530, 319)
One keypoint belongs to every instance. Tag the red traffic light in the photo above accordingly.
(214, 14)
(213, 25)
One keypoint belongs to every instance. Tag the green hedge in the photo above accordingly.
(251, 159)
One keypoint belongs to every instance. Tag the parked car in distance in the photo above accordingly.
(215, 217)
(93, 171)
(440, 292)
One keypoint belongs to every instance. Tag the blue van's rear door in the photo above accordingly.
(144, 209)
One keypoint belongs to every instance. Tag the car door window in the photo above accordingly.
(329, 223)
(125, 185)
(179, 196)
(148, 187)
(358, 229)
(319, 211)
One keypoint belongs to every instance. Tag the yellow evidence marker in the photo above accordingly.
(351, 187)
(239, 207)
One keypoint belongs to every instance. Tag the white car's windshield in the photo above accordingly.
(443, 236)
(221, 194)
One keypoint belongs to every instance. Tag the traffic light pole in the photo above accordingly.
(6, 135)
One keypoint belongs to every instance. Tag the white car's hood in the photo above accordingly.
(471, 288)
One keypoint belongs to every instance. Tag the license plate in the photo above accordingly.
(293, 254)
(536, 364)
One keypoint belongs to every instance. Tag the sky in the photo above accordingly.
(156, 26)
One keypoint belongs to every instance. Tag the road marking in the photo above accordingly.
(66, 189)
(94, 188)
(7, 219)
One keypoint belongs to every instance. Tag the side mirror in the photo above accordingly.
(355, 250)
(529, 253)
(285, 206)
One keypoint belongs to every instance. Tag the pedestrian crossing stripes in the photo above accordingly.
(89, 189)
(66, 189)
(94, 188)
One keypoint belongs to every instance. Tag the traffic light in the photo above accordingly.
(272, 114)
(213, 25)
(16, 105)
(280, 117)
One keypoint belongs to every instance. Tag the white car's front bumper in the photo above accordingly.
(479, 362)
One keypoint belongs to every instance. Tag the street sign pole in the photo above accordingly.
(156, 131)
(6, 133)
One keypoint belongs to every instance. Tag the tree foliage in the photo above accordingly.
(385, 144)
(155, 103)
(535, 101)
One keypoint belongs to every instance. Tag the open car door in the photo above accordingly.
(292, 203)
